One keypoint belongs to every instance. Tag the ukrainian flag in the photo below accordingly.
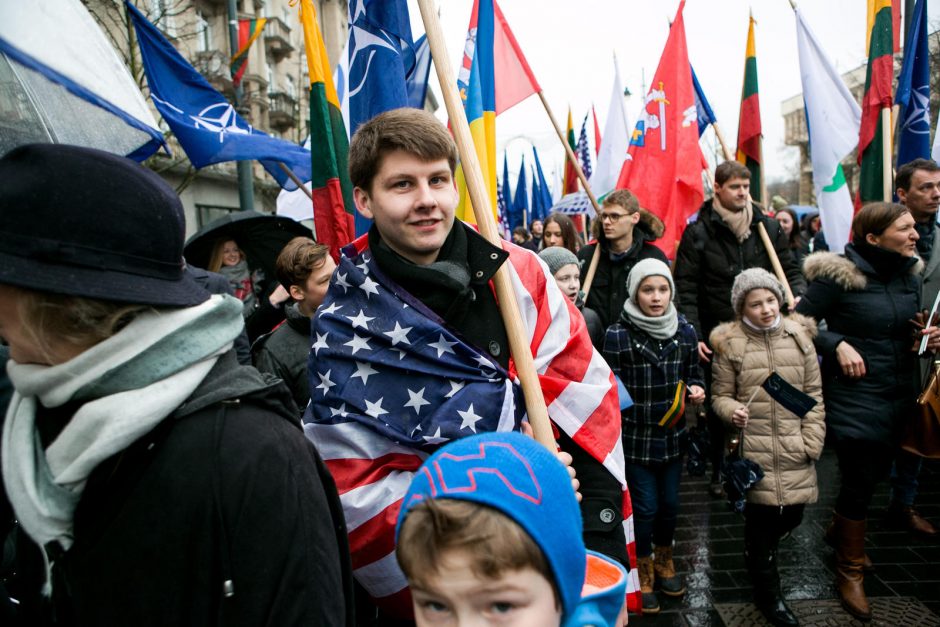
(479, 93)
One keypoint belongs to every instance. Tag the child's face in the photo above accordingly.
(653, 296)
(459, 598)
(568, 279)
(761, 308)
(312, 293)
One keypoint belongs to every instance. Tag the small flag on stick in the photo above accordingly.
(787, 395)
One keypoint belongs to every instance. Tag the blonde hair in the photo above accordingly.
(218, 252)
(493, 541)
(80, 323)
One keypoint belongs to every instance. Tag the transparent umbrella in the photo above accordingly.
(62, 81)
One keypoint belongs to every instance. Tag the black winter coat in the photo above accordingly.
(609, 289)
(872, 313)
(710, 257)
(225, 489)
(283, 353)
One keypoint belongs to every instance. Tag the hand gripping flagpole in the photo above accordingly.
(479, 199)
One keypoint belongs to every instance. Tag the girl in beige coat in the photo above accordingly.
(759, 342)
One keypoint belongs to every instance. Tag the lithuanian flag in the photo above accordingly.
(329, 146)
(248, 32)
(571, 175)
(877, 98)
(749, 127)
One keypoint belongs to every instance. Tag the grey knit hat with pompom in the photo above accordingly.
(753, 279)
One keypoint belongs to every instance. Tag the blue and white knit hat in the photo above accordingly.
(520, 478)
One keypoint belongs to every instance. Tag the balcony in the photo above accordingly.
(282, 113)
(277, 39)
(214, 66)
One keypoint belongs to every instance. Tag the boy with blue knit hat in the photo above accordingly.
(490, 529)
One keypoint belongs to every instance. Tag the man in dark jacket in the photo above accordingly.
(626, 237)
(714, 249)
(417, 291)
(304, 268)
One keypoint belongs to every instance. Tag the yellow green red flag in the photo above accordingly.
(877, 97)
(329, 146)
(749, 126)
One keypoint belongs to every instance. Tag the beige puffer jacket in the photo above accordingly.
(784, 445)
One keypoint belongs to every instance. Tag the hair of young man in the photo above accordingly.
(905, 175)
(731, 170)
(218, 252)
(413, 131)
(875, 218)
(495, 543)
(522, 232)
(569, 234)
(622, 198)
(50, 319)
(298, 259)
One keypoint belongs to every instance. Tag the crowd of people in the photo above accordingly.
(360, 470)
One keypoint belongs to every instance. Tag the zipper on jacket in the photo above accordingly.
(773, 421)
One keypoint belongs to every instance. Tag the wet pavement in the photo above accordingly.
(904, 590)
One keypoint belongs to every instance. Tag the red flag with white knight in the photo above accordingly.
(664, 166)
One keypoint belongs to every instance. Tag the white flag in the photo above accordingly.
(935, 153)
(615, 142)
(833, 118)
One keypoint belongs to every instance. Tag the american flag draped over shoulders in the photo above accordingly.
(390, 383)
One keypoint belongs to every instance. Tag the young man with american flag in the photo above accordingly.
(409, 352)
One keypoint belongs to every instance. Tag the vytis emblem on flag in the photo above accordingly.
(659, 97)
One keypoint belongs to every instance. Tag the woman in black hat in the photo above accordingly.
(154, 480)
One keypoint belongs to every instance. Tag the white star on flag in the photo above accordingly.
(358, 343)
(398, 334)
(320, 343)
(360, 320)
(401, 353)
(442, 346)
(364, 266)
(341, 281)
(416, 400)
(436, 438)
(455, 386)
(369, 287)
(363, 371)
(375, 409)
(333, 308)
(469, 419)
(325, 383)
(340, 411)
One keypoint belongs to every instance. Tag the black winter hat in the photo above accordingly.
(84, 222)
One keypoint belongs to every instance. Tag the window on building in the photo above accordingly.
(291, 88)
(204, 33)
(271, 86)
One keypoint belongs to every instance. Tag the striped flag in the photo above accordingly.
(876, 98)
(248, 32)
(570, 184)
(583, 149)
(332, 191)
(389, 385)
(749, 126)
(493, 76)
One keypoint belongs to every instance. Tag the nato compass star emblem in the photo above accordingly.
(220, 118)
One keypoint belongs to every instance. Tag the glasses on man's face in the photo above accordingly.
(613, 217)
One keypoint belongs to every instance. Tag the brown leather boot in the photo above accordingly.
(906, 517)
(850, 555)
(665, 572)
(830, 537)
(644, 566)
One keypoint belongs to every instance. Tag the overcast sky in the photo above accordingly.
(570, 46)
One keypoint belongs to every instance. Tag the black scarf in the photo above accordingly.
(441, 285)
(886, 263)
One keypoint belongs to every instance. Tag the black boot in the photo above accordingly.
(761, 558)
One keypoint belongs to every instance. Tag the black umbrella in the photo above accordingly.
(260, 236)
(699, 444)
(738, 475)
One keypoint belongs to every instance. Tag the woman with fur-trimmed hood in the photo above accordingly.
(869, 299)
(761, 341)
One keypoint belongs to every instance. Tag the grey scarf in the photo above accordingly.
(660, 327)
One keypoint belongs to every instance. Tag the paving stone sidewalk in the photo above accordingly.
(905, 589)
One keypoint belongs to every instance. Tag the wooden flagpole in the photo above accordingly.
(290, 174)
(592, 268)
(721, 140)
(479, 198)
(886, 152)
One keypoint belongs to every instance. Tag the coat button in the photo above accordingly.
(494, 256)
(479, 274)
(494, 348)
(607, 515)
